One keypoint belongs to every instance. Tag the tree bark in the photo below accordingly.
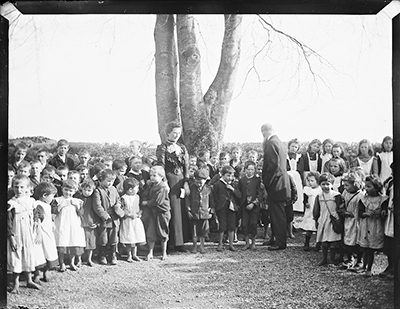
(190, 92)
(218, 97)
(166, 72)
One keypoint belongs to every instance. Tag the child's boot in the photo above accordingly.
(246, 246)
(114, 255)
(307, 243)
(324, 260)
(102, 254)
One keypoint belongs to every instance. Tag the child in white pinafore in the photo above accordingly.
(327, 203)
(352, 194)
(385, 159)
(310, 193)
(131, 231)
(371, 234)
(20, 241)
(44, 193)
(69, 234)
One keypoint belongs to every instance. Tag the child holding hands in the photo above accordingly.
(131, 231)
(198, 204)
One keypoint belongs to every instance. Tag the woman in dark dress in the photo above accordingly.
(173, 156)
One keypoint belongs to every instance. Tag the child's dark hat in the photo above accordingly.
(201, 174)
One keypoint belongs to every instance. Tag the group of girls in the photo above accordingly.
(356, 195)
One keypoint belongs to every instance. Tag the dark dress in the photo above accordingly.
(177, 170)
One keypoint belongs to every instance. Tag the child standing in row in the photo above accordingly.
(327, 203)
(107, 205)
(311, 191)
(69, 234)
(158, 211)
(371, 233)
(251, 194)
(352, 194)
(89, 219)
(131, 231)
(20, 242)
(198, 204)
(226, 196)
(44, 193)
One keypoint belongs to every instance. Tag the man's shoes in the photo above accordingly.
(180, 249)
(268, 242)
(274, 248)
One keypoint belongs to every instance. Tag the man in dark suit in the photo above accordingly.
(277, 184)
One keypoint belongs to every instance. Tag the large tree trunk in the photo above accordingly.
(166, 72)
(218, 97)
(190, 93)
(203, 118)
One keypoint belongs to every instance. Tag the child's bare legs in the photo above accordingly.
(151, 249)
(202, 240)
(129, 249)
(253, 243)
(61, 260)
(79, 261)
(290, 230)
(45, 275)
(134, 253)
(231, 235)
(194, 244)
(370, 261)
(36, 276)
(220, 240)
(30, 283)
(89, 260)
(72, 264)
(164, 249)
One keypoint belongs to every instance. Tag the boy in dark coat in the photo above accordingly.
(198, 204)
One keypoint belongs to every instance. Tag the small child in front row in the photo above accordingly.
(20, 242)
(371, 234)
(89, 219)
(250, 188)
(311, 191)
(352, 194)
(44, 194)
(327, 203)
(198, 204)
(69, 234)
(157, 211)
(107, 205)
(226, 196)
(131, 232)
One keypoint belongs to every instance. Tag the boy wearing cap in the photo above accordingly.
(198, 204)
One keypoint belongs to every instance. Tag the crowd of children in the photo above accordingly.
(59, 210)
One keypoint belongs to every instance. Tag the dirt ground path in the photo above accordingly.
(250, 279)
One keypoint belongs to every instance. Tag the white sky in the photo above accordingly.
(90, 78)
